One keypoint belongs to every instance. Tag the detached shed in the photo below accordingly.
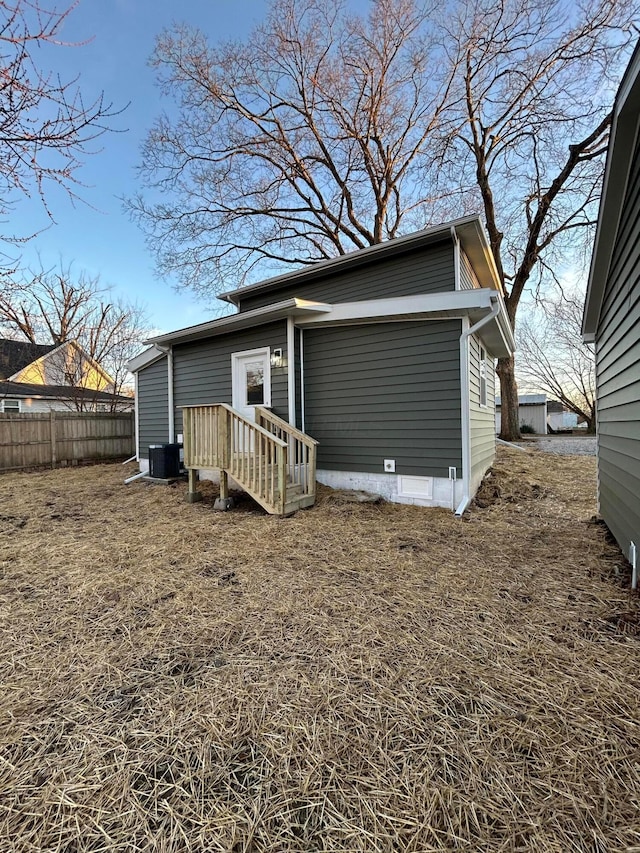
(532, 411)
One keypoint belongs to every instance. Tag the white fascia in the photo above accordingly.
(144, 359)
(453, 303)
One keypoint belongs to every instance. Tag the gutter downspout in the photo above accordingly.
(464, 396)
(170, 402)
(136, 409)
(456, 258)
(291, 371)
(172, 411)
(302, 392)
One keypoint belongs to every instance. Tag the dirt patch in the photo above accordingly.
(356, 677)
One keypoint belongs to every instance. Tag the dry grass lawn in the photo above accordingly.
(353, 678)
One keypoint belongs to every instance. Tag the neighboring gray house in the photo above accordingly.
(612, 321)
(28, 399)
(532, 411)
(384, 356)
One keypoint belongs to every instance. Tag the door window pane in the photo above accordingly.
(254, 378)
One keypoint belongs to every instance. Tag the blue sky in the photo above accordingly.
(100, 238)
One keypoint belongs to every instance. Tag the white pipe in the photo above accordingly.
(510, 444)
(135, 477)
(291, 370)
(130, 459)
(465, 402)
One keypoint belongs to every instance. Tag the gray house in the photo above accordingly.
(373, 370)
(612, 321)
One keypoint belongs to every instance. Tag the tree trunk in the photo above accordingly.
(509, 420)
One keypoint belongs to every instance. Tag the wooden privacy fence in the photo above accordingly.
(63, 438)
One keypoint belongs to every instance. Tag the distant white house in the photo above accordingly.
(532, 411)
(558, 418)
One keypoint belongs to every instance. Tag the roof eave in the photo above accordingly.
(619, 156)
(475, 304)
(476, 246)
(247, 319)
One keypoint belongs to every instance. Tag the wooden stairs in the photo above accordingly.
(272, 461)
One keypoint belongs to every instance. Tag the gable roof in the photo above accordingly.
(16, 355)
(468, 230)
(50, 351)
(624, 133)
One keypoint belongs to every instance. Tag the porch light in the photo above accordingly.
(276, 358)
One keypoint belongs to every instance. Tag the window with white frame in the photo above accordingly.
(483, 376)
(11, 406)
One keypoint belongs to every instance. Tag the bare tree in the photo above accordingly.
(554, 359)
(309, 140)
(536, 89)
(325, 132)
(46, 126)
(57, 307)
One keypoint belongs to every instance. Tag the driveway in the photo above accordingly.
(574, 445)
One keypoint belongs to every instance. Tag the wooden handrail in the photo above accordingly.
(302, 450)
(270, 417)
(217, 436)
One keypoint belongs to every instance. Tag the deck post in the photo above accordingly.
(224, 502)
(223, 441)
(193, 495)
(282, 478)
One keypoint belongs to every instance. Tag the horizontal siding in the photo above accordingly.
(481, 418)
(202, 370)
(468, 278)
(618, 379)
(429, 269)
(385, 391)
(34, 406)
(153, 406)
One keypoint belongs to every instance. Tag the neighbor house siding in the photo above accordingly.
(34, 405)
(153, 406)
(468, 278)
(481, 418)
(202, 370)
(426, 270)
(618, 376)
(385, 391)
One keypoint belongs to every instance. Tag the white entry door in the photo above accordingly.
(251, 381)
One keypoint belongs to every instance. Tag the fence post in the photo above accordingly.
(52, 429)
